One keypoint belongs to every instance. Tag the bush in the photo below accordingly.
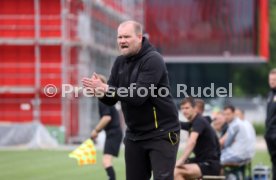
(259, 128)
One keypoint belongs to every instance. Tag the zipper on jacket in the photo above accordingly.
(155, 117)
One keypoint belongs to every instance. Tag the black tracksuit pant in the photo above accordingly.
(157, 155)
(271, 145)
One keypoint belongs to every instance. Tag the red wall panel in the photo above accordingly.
(50, 18)
(18, 62)
(51, 65)
(12, 107)
(51, 110)
(202, 28)
(16, 18)
(17, 66)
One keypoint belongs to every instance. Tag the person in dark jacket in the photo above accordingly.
(152, 135)
(270, 133)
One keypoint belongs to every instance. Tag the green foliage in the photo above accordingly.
(259, 128)
(272, 17)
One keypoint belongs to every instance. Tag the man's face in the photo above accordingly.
(129, 42)
(229, 115)
(188, 111)
(272, 80)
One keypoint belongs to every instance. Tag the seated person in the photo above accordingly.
(199, 108)
(250, 131)
(234, 145)
(202, 142)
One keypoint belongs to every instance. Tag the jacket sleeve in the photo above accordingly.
(150, 73)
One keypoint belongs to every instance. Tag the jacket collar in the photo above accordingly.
(146, 47)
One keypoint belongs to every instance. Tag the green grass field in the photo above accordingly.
(55, 165)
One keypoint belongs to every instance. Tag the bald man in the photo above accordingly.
(152, 135)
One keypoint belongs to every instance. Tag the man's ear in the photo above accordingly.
(140, 36)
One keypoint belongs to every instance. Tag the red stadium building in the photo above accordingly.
(53, 42)
(209, 30)
(205, 41)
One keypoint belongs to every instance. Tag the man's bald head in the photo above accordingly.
(138, 28)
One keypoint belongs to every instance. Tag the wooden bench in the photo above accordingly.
(213, 177)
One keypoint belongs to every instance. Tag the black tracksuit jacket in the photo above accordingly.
(146, 117)
(270, 134)
(271, 114)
